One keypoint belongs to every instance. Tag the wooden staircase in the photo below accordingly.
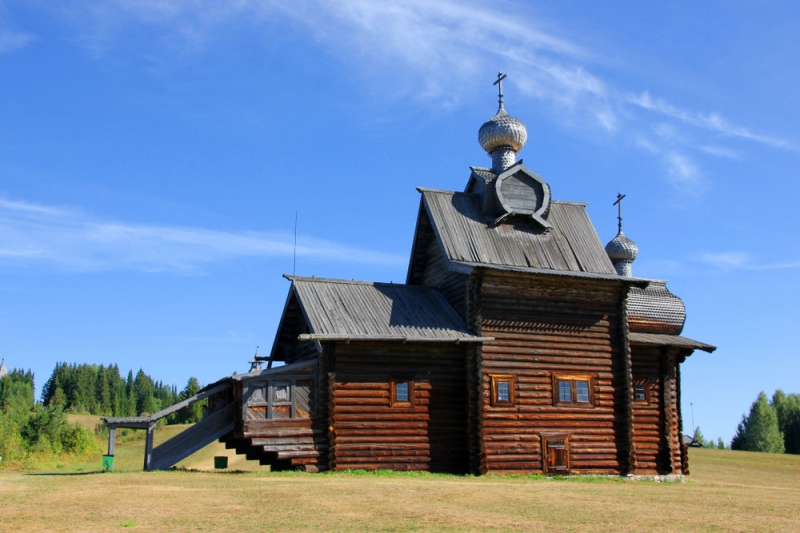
(201, 434)
(282, 444)
(214, 425)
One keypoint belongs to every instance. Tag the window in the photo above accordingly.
(573, 390)
(502, 390)
(401, 393)
(288, 397)
(281, 400)
(641, 391)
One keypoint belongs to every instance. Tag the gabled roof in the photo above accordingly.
(467, 237)
(355, 310)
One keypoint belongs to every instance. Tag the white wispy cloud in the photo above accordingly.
(684, 173)
(435, 50)
(710, 121)
(11, 38)
(68, 239)
(741, 260)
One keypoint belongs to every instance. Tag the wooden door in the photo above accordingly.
(555, 454)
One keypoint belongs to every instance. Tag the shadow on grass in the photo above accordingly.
(66, 474)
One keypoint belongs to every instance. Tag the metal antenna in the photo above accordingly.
(618, 203)
(294, 258)
(499, 83)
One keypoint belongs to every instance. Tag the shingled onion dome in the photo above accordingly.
(622, 251)
(502, 136)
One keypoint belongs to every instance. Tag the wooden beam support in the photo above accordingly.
(148, 447)
(627, 386)
(112, 437)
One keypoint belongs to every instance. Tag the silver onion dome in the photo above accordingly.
(502, 131)
(622, 251)
(621, 248)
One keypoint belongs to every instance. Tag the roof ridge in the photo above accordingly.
(339, 281)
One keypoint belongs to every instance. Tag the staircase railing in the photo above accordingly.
(219, 422)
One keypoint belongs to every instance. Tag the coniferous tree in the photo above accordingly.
(102, 393)
(759, 431)
(698, 437)
(192, 413)
(144, 388)
(788, 410)
(130, 392)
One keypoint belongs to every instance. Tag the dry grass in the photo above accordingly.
(727, 491)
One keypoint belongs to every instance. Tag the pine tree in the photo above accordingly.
(194, 412)
(698, 437)
(759, 431)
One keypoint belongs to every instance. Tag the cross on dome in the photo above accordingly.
(618, 203)
(499, 83)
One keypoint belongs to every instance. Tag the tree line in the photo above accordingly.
(30, 429)
(771, 425)
(101, 390)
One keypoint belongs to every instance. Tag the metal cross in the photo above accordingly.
(499, 83)
(618, 203)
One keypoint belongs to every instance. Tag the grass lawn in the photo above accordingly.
(727, 491)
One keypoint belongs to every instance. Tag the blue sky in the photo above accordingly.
(154, 155)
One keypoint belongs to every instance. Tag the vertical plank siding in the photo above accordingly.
(369, 433)
(452, 285)
(544, 326)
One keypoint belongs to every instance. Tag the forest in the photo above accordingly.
(31, 429)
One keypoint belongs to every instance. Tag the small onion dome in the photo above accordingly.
(621, 248)
(502, 131)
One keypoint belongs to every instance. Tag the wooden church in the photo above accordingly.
(518, 344)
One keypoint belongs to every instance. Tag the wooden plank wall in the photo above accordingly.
(452, 285)
(292, 442)
(543, 325)
(368, 433)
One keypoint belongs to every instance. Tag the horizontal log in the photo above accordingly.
(400, 466)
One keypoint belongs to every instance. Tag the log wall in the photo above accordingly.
(367, 432)
(649, 441)
(544, 326)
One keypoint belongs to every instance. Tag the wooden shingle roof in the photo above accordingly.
(467, 237)
(659, 339)
(354, 310)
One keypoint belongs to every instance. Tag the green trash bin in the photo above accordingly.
(220, 461)
(108, 462)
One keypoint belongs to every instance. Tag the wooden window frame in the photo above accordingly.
(573, 379)
(268, 399)
(645, 384)
(496, 379)
(393, 402)
(273, 399)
